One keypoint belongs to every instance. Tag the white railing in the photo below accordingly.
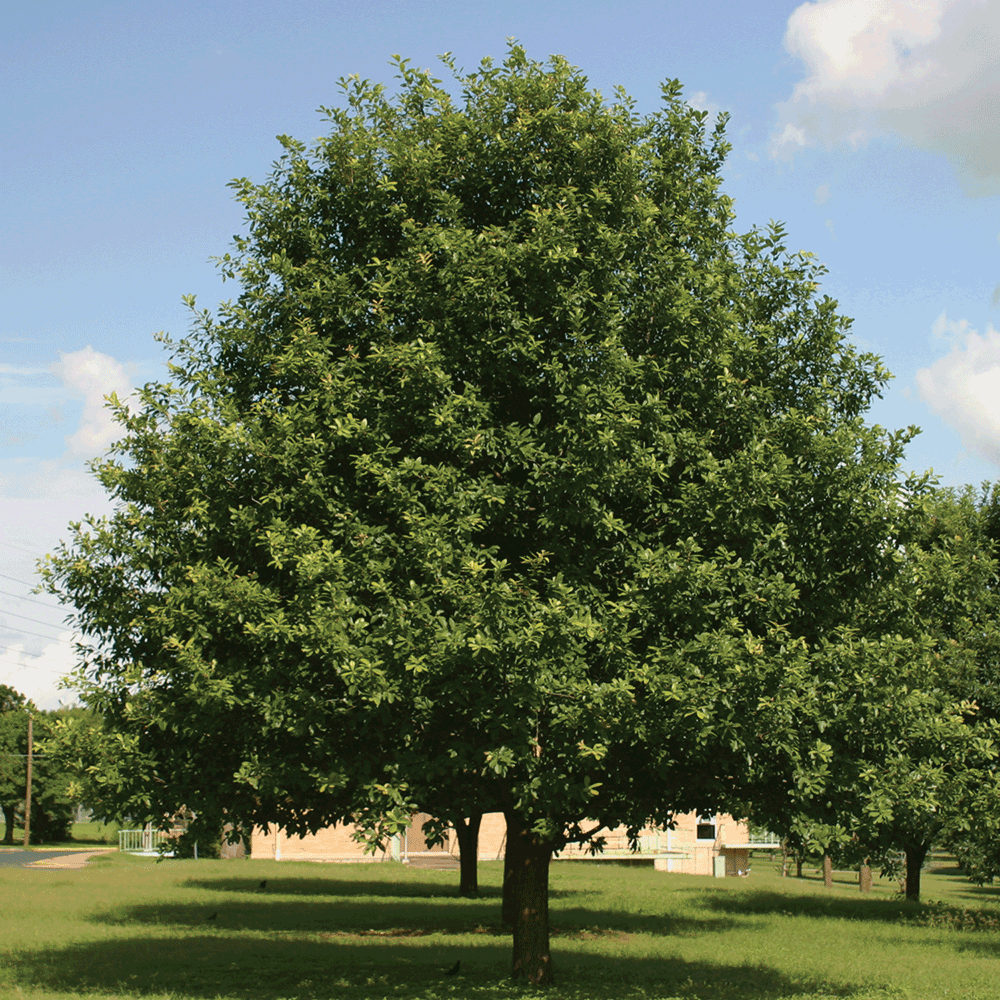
(144, 841)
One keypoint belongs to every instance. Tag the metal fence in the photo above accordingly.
(145, 841)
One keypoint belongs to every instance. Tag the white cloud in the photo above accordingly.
(39, 497)
(822, 193)
(924, 70)
(700, 102)
(963, 387)
(38, 676)
(95, 376)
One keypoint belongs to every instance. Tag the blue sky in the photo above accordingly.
(869, 129)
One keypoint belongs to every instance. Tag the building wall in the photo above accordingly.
(334, 843)
(688, 854)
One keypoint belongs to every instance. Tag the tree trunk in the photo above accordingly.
(798, 866)
(508, 913)
(865, 877)
(532, 961)
(915, 855)
(827, 871)
(8, 822)
(468, 853)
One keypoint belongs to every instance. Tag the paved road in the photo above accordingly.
(20, 858)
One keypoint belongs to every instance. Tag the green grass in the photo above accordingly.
(132, 927)
(81, 835)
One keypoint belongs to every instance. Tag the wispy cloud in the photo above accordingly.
(18, 370)
(923, 70)
(963, 387)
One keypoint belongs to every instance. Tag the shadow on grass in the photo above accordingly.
(336, 887)
(347, 887)
(217, 964)
(412, 917)
(872, 908)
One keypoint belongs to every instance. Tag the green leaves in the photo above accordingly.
(511, 475)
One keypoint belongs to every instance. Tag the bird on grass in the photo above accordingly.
(212, 917)
(262, 886)
(453, 971)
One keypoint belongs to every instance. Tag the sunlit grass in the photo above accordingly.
(132, 927)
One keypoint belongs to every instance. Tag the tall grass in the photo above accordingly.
(131, 927)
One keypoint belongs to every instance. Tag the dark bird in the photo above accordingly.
(212, 917)
(263, 885)
(453, 971)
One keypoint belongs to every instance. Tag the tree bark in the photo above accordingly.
(915, 855)
(508, 913)
(8, 821)
(827, 871)
(467, 833)
(798, 866)
(865, 877)
(532, 961)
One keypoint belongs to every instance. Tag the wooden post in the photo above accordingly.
(827, 871)
(27, 796)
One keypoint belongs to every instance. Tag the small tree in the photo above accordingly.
(512, 468)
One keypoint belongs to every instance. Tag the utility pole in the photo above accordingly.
(27, 797)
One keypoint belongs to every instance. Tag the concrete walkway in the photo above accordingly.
(75, 860)
(57, 860)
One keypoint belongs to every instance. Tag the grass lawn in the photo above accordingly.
(132, 927)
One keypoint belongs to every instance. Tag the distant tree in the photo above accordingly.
(51, 805)
(511, 462)
(13, 745)
(899, 752)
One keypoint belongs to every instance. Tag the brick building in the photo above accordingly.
(698, 845)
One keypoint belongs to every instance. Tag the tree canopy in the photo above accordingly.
(512, 474)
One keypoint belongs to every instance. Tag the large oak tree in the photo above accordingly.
(512, 474)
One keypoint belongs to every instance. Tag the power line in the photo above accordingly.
(8, 593)
(11, 545)
(20, 652)
(37, 621)
(24, 631)
(16, 580)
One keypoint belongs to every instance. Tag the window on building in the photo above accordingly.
(706, 827)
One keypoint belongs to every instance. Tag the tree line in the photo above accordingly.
(514, 479)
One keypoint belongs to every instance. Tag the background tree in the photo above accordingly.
(51, 802)
(898, 751)
(511, 462)
(13, 747)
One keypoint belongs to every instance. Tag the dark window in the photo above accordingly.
(706, 828)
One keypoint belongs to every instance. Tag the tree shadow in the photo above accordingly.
(389, 889)
(349, 967)
(401, 916)
(870, 908)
